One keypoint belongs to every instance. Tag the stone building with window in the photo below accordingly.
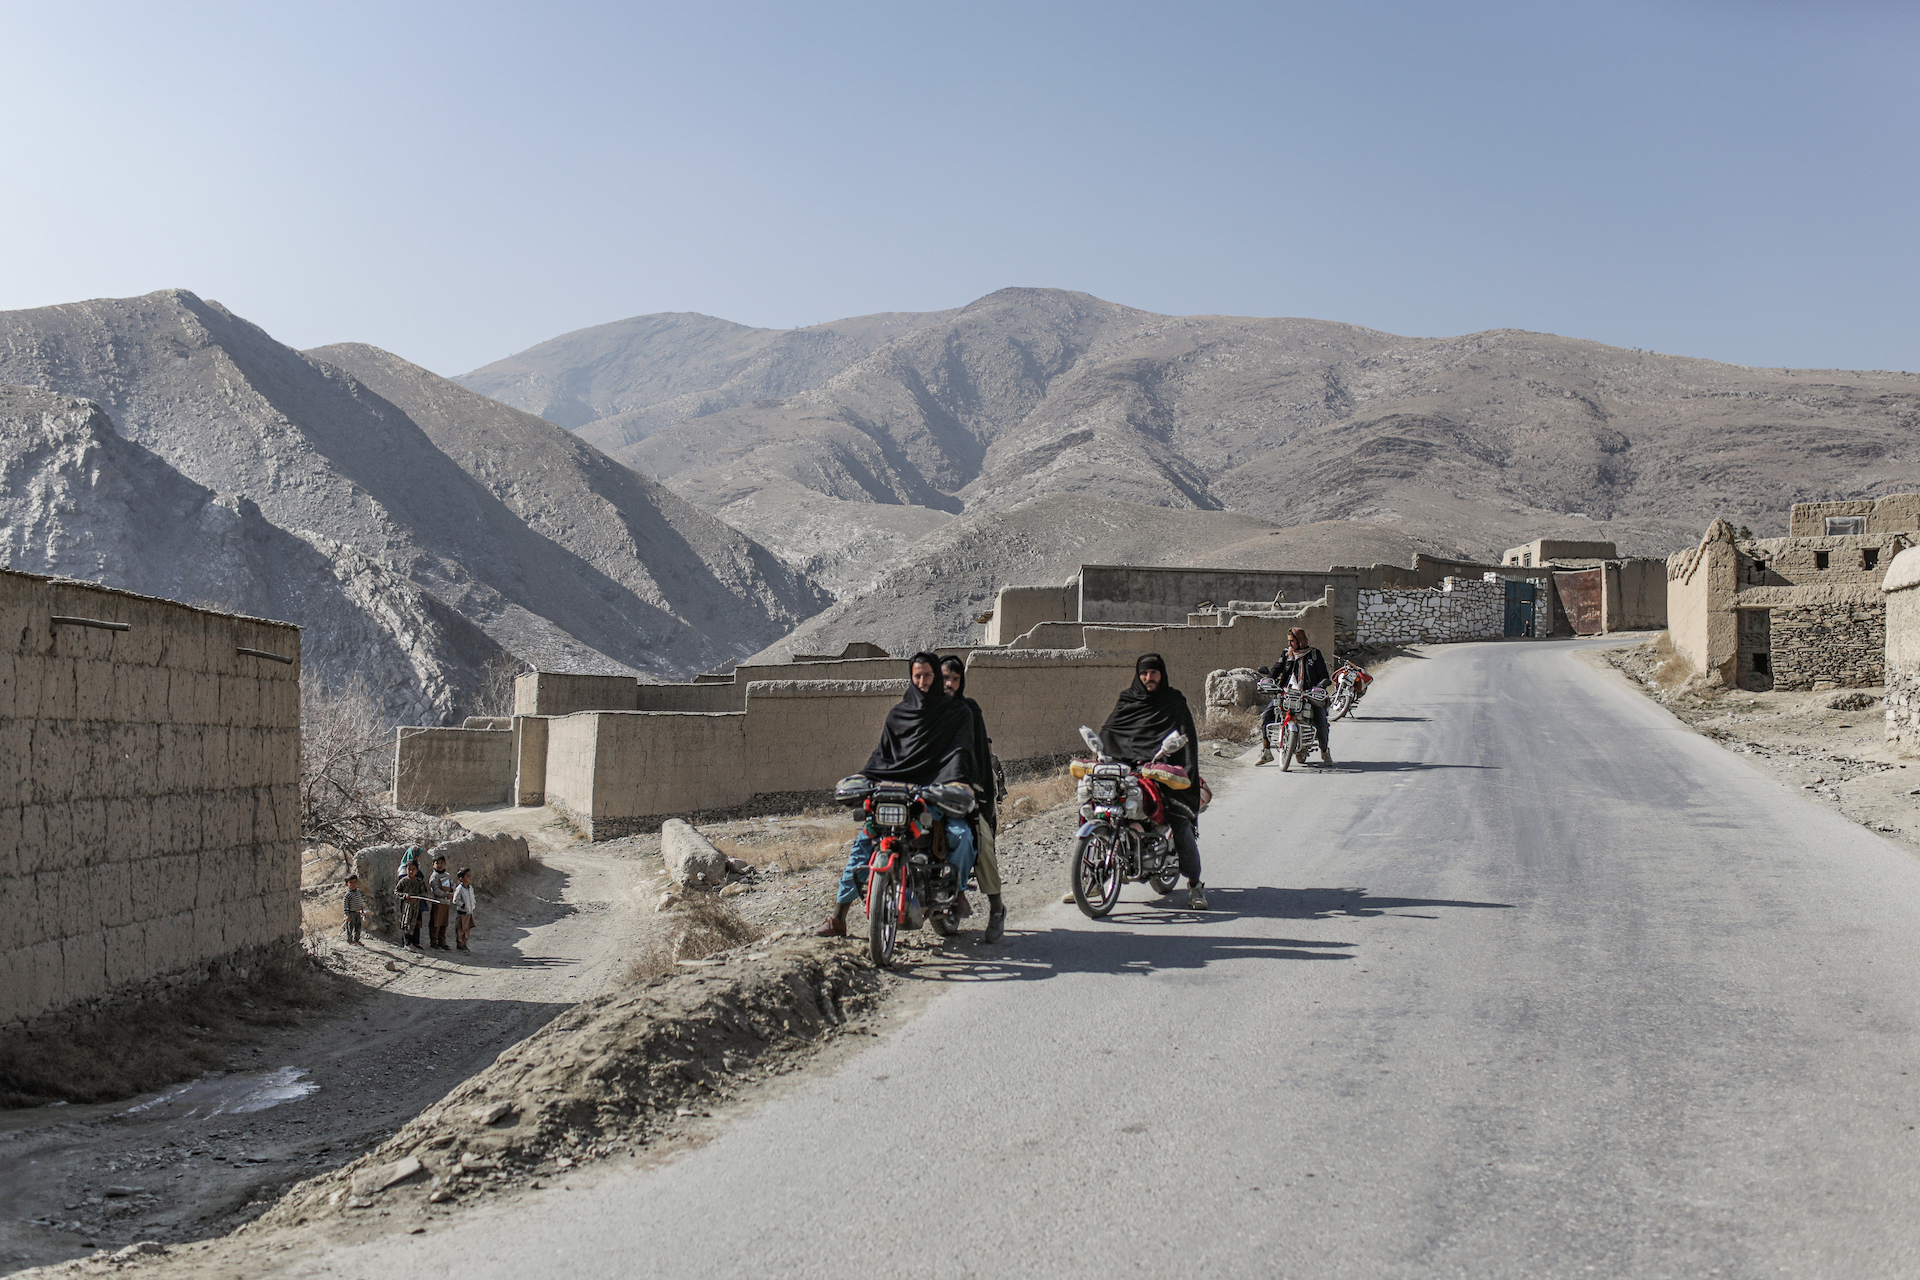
(1801, 612)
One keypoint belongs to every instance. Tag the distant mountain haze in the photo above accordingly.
(1469, 444)
(544, 546)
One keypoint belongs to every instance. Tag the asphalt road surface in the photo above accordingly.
(1538, 983)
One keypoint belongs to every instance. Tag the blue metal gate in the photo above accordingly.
(1520, 605)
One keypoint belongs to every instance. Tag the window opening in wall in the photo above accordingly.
(1869, 557)
(1763, 664)
(1819, 559)
(1526, 558)
(1846, 526)
(1757, 573)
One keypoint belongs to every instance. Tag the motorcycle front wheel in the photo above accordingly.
(1287, 744)
(883, 917)
(1341, 706)
(1096, 871)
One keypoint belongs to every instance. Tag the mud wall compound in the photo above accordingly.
(149, 822)
(452, 768)
(1902, 653)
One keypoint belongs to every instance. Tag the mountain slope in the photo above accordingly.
(564, 562)
(1479, 441)
(79, 501)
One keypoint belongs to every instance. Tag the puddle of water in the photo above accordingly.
(223, 1094)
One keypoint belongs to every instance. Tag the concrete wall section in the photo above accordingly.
(149, 799)
(806, 735)
(560, 693)
(1017, 610)
(452, 768)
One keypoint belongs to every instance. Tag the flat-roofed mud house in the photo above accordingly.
(150, 807)
(1801, 612)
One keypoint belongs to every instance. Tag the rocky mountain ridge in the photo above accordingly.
(507, 530)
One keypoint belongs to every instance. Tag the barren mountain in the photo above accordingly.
(79, 501)
(1476, 442)
(620, 382)
(559, 555)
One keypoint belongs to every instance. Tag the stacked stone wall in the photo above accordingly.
(149, 795)
(1829, 646)
(1462, 609)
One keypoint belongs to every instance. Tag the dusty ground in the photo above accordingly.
(198, 1160)
(1838, 754)
(639, 1068)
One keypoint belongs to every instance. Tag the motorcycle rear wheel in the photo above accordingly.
(942, 923)
(883, 917)
(1165, 884)
(1096, 872)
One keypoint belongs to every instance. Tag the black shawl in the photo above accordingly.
(928, 736)
(1141, 719)
(980, 759)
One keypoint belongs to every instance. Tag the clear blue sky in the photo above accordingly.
(455, 182)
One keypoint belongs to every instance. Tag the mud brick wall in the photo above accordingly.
(149, 796)
(1840, 645)
(452, 768)
(609, 771)
(806, 735)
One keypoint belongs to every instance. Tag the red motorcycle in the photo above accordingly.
(1349, 686)
(909, 880)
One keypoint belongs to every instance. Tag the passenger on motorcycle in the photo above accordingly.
(1301, 667)
(1145, 714)
(986, 820)
(928, 739)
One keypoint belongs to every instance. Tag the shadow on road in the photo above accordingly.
(1379, 766)
(1133, 938)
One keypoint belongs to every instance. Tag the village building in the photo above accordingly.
(1599, 590)
(1801, 612)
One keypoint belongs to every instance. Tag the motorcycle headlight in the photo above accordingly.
(1105, 789)
(890, 815)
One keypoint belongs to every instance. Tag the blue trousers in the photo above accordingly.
(960, 852)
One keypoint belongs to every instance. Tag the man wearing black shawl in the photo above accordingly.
(928, 739)
(953, 674)
(1146, 713)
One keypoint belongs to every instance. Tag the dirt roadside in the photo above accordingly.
(196, 1159)
(1837, 754)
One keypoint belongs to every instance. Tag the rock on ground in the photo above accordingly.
(690, 857)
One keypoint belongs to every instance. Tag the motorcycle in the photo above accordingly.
(1350, 683)
(1124, 834)
(1293, 735)
(909, 880)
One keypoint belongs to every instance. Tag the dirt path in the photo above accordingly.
(199, 1158)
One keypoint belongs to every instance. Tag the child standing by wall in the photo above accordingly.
(463, 909)
(355, 906)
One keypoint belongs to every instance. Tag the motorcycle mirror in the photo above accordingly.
(1091, 738)
(1262, 671)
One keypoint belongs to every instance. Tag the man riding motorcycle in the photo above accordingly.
(986, 821)
(1301, 667)
(1145, 714)
(928, 739)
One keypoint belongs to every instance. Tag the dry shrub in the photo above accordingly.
(1231, 724)
(322, 913)
(493, 694)
(790, 850)
(346, 768)
(701, 925)
(1670, 667)
(1036, 795)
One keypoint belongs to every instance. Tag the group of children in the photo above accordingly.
(424, 899)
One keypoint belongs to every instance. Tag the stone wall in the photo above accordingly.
(1835, 646)
(452, 768)
(149, 795)
(1462, 609)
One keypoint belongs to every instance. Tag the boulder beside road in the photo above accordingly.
(1238, 688)
(690, 857)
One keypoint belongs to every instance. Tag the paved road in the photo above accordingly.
(1539, 984)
